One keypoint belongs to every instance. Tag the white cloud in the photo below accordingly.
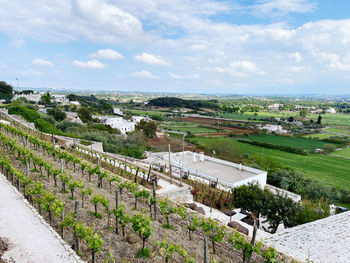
(296, 56)
(42, 62)
(31, 72)
(335, 62)
(282, 7)
(175, 76)
(197, 47)
(246, 67)
(107, 54)
(151, 59)
(17, 42)
(143, 74)
(95, 64)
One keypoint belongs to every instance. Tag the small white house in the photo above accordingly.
(29, 97)
(273, 128)
(60, 98)
(137, 119)
(118, 111)
(119, 123)
(331, 110)
(76, 103)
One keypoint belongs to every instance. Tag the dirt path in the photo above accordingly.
(27, 235)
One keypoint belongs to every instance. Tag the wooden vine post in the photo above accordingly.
(205, 250)
(75, 238)
(154, 181)
(117, 207)
(54, 147)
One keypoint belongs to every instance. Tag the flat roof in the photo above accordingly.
(215, 169)
(212, 167)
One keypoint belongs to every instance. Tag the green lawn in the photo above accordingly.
(342, 153)
(329, 170)
(296, 142)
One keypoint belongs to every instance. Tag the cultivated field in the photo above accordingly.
(327, 169)
(295, 142)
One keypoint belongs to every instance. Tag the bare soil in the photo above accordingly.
(123, 249)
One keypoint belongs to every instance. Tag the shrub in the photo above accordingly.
(28, 114)
(58, 114)
(44, 126)
(311, 211)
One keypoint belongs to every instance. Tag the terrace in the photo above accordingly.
(227, 174)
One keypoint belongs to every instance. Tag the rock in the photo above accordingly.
(239, 227)
(200, 210)
(248, 220)
(190, 205)
(132, 239)
(230, 213)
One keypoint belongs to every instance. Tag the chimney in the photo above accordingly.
(201, 156)
(194, 157)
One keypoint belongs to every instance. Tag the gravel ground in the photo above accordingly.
(27, 235)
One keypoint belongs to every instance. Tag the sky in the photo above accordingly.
(184, 46)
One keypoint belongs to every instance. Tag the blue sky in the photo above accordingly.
(197, 46)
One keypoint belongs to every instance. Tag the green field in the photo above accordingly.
(342, 153)
(295, 142)
(148, 113)
(327, 119)
(339, 131)
(327, 169)
(334, 119)
(320, 136)
(193, 129)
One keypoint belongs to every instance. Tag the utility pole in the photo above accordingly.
(171, 178)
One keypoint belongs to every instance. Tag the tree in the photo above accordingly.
(303, 112)
(85, 114)
(6, 91)
(147, 127)
(58, 114)
(46, 99)
(319, 119)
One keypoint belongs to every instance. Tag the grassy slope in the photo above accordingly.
(343, 153)
(320, 136)
(327, 169)
(304, 143)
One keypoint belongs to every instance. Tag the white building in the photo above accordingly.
(275, 106)
(60, 98)
(29, 97)
(209, 169)
(331, 110)
(76, 103)
(137, 119)
(118, 111)
(273, 128)
(119, 123)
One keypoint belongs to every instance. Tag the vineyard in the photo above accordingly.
(109, 211)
